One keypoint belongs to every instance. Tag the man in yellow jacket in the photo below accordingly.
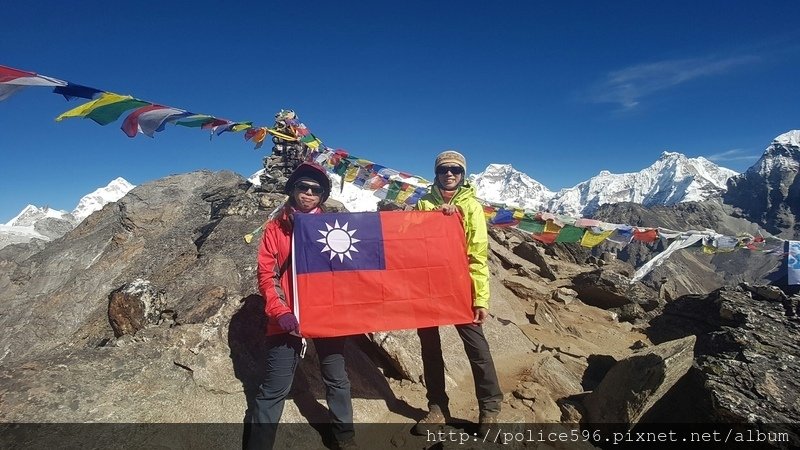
(450, 194)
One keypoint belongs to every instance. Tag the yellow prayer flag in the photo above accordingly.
(591, 239)
(551, 227)
(106, 98)
(351, 174)
(518, 214)
(283, 136)
(406, 192)
(241, 126)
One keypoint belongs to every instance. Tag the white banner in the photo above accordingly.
(793, 262)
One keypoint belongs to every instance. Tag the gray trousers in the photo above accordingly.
(487, 387)
(283, 355)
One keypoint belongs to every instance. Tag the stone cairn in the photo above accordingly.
(286, 154)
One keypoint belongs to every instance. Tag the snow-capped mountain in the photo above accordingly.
(47, 223)
(673, 178)
(95, 200)
(768, 193)
(32, 214)
(501, 183)
(782, 155)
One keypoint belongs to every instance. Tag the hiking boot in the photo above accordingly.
(486, 422)
(347, 444)
(432, 422)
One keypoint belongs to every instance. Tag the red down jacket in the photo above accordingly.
(275, 268)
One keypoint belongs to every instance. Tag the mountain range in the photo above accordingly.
(673, 178)
(769, 191)
(45, 223)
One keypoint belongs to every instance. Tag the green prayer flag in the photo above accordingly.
(570, 233)
(394, 189)
(531, 226)
(341, 168)
(104, 115)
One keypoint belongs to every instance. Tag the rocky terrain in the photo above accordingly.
(148, 312)
(769, 191)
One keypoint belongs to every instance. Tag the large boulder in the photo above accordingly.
(633, 385)
(608, 289)
(134, 306)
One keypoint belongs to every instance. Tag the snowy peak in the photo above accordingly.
(501, 183)
(767, 191)
(673, 178)
(47, 224)
(666, 155)
(32, 214)
(95, 200)
(790, 138)
(782, 155)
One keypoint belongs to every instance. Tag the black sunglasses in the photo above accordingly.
(455, 170)
(304, 187)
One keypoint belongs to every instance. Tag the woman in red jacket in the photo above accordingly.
(308, 187)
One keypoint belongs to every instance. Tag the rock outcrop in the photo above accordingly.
(746, 369)
(768, 193)
(636, 383)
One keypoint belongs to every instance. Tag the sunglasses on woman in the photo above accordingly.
(455, 170)
(304, 187)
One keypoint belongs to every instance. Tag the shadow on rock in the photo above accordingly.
(247, 341)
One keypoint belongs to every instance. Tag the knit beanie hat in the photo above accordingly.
(451, 157)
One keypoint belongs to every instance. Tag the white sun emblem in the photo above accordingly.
(338, 241)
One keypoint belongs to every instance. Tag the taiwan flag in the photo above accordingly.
(365, 272)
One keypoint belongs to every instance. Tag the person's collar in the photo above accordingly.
(447, 195)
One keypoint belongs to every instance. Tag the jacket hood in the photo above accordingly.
(466, 189)
(313, 171)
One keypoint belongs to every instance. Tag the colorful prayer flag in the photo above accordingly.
(406, 191)
(13, 80)
(394, 189)
(546, 238)
(72, 90)
(531, 225)
(258, 135)
(645, 234)
(622, 235)
(504, 218)
(365, 272)
(591, 238)
(570, 233)
(551, 227)
(106, 109)
(150, 119)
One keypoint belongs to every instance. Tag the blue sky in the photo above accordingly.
(560, 90)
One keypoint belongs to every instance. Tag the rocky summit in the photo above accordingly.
(148, 312)
(768, 193)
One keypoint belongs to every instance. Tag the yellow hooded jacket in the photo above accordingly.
(477, 237)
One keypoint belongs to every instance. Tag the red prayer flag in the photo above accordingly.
(546, 237)
(645, 235)
(365, 272)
